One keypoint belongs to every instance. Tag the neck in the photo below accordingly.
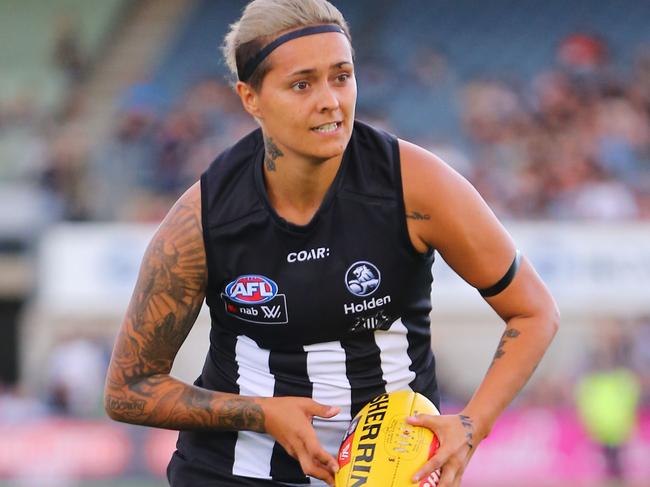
(296, 185)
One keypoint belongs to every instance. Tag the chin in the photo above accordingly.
(326, 154)
(331, 149)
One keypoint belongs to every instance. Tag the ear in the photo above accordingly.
(249, 99)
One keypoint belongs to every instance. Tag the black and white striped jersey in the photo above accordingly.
(336, 310)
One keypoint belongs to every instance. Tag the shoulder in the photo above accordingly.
(182, 229)
(429, 181)
(189, 203)
(435, 195)
(446, 213)
(423, 171)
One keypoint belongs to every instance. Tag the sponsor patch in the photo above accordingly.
(362, 278)
(307, 255)
(255, 299)
(377, 321)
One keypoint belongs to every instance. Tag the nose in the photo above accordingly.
(327, 99)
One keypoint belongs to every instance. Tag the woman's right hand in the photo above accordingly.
(289, 421)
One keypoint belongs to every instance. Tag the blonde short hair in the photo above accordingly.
(262, 20)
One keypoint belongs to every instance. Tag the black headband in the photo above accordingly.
(252, 64)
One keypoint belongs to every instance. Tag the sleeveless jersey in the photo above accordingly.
(336, 310)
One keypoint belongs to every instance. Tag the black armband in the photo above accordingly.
(504, 281)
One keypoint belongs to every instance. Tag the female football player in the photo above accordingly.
(311, 241)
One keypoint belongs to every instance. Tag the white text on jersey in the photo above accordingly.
(367, 304)
(311, 254)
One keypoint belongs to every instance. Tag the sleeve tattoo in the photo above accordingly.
(165, 303)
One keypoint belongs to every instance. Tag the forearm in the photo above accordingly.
(521, 348)
(165, 402)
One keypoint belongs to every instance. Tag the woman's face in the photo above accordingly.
(306, 102)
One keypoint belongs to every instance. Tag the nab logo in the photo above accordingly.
(362, 278)
(252, 289)
(255, 299)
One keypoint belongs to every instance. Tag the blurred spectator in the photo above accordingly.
(582, 52)
(67, 53)
(641, 356)
(75, 376)
(607, 398)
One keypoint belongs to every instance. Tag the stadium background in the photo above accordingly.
(110, 108)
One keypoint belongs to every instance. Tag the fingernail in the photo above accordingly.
(416, 477)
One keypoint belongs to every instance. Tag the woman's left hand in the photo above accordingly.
(458, 440)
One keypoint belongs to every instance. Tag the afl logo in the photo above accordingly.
(252, 289)
(362, 278)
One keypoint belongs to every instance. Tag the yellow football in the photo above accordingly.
(380, 449)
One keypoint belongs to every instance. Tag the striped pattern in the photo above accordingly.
(253, 451)
(345, 373)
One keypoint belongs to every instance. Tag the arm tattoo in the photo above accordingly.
(272, 153)
(126, 407)
(511, 333)
(165, 303)
(415, 215)
(468, 424)
(239, 414)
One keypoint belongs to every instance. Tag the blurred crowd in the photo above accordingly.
(571, 143)
(152, 157)
(574, 144)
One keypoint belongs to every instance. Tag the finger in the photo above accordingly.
(448, 477)
(327, 460)
(426, 420)
(323, 411)
(315, 469)
(434, 463)
(457, 481)
(313, 447)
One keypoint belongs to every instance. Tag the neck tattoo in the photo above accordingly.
(272, 153)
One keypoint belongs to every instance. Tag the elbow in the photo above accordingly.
(114, 399)
(111, 405)
(123, 403)
(108, 408)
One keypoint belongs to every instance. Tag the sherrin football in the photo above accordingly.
(380, 449)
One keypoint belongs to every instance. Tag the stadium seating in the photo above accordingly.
(27, 34)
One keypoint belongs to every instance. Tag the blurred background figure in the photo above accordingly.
(109, 109)
(75, 374)
(607, 397)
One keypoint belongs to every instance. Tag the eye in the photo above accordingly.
(300, 86)
(343, 77)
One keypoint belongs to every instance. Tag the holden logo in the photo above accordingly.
(362, 278)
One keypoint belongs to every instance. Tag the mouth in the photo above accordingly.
(327, 128)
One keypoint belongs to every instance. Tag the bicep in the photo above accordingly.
(461, 227)
(167, 297)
